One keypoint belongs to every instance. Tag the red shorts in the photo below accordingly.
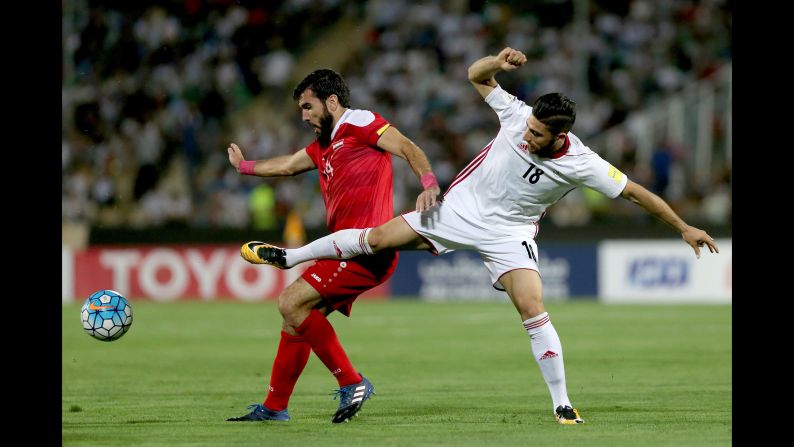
(340, 282)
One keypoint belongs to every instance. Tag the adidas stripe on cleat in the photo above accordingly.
(257, 252)
(351, 399)
(567, 415)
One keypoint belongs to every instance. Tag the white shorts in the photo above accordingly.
(446, 231)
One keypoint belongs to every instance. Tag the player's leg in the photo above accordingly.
(342, 244)
(340, 283)
(295, 303)
(345, 244)
(395, 234)
(291, 356)
(526, 291)
(298, 306)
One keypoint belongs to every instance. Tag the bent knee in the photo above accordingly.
(376, 238)
(294, 307)
(286, 306)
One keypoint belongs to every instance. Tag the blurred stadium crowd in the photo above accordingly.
(149, 90)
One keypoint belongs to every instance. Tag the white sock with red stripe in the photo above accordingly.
(547, 349)
(343, 244)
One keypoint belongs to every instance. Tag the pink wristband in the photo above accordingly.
(428, 180)
(247, 167)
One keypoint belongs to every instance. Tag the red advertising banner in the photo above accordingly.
(177, 272)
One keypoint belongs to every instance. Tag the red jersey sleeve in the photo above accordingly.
(375, 129)
(313, 151)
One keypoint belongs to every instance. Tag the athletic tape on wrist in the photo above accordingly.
(428, 180)
(247, 167)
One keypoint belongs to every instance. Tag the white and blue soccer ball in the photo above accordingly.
(106, 315)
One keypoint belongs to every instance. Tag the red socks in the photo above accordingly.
(320, 335)
(293, 353)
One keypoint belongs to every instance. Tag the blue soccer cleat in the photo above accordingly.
(260, 412)
(351, 399)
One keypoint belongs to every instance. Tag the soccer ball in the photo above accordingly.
(106, 315)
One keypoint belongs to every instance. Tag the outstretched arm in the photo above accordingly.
(481, 73)
(654, 204)
(272, 167)
(398, 144)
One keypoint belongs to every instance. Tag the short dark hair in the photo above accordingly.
(556, 111)
(324, 83)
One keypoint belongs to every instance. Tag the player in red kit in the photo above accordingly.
(352, 153)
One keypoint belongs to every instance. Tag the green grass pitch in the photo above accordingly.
(445, 374)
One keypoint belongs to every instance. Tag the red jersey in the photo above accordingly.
(355, 174)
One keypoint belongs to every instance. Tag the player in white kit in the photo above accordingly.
(493, 207)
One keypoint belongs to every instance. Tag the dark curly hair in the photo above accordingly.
(324, 83)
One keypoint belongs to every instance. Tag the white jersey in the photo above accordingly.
(506, 189)
(493, 206)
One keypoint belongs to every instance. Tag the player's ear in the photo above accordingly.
(332, 103)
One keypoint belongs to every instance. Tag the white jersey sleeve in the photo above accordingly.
(512, 112)
(598, 174)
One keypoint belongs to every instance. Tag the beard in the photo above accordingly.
(546, 150)
(326, 127)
